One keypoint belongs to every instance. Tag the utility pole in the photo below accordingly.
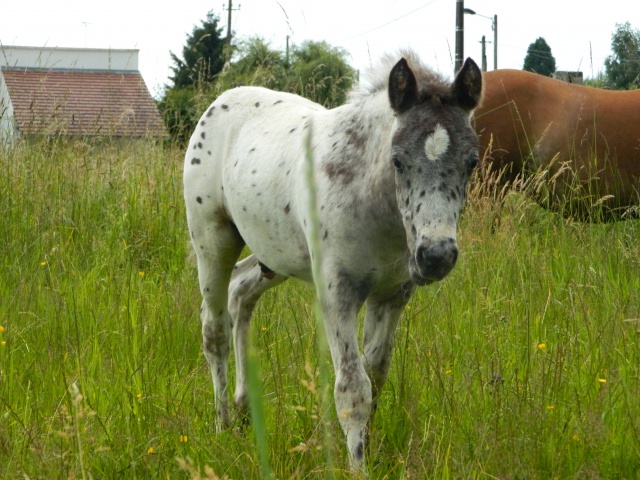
(286, 58)
(459, 35)
(230, 8)
(495, 42)
(484, 54)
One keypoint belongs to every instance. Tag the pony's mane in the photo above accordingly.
(376, 78)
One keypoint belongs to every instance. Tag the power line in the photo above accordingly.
(390, 21)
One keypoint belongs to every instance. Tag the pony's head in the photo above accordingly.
(434, 150)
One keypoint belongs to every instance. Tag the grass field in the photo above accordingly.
(523, 363)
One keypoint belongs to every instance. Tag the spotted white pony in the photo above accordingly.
(391, 169)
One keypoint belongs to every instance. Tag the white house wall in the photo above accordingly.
(69, 58)
(8, 127)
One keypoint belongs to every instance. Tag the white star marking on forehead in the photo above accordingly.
(437, 143)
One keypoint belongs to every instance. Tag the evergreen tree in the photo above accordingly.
(202, 56)
(539, 58)
(623, 66)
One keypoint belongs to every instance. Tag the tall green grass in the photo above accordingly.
(523, 363)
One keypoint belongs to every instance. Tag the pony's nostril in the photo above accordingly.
(436, 259)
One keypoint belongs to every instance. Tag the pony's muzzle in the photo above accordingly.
(433, 260)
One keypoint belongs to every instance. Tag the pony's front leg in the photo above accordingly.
(380, 325)
(352, 389)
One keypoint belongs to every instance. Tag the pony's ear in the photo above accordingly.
(403, 88)
(467, 87)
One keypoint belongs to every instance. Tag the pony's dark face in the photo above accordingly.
(434, 151)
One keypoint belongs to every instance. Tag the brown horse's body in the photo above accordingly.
(531, 121)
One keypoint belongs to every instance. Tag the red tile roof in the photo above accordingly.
(75, 102)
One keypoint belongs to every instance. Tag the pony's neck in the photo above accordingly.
(375, 119)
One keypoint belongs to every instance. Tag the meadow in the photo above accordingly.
(523, 363)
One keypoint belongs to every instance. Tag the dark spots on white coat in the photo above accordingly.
(195, 161)
(292, 130)
(253, 171)
(287, 208)
(257, 104)
(326, 235)
(199, 199)
(339, 172)
(277, 102)
(203, 123)
(210, 111)
(224, 107)
(202, 135)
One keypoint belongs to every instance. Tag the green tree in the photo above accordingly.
(257, 64)
(179, 108)
(315, 70)
(321, 73)
(202, 60)
(539, 58)
(202, 56)
(623, 66)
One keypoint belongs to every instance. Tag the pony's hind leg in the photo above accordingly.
(248, 282)
(217, 250)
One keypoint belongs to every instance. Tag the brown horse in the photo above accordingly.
(586, 140)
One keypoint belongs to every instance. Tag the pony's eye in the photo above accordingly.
(397, 164)
(472, 163)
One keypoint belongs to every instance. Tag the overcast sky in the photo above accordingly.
(578, 31)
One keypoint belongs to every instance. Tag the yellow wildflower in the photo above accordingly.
(184, 439)
(1, 329)
(542, 346)
(141, 273)
(263, 329)
(42, 264)
(448, 372)
(551, 408)
(602, 380)
(3, 343)
(151, 451)
(138, 395)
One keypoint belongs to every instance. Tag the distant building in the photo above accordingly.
(569, 77)
(75, 92)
